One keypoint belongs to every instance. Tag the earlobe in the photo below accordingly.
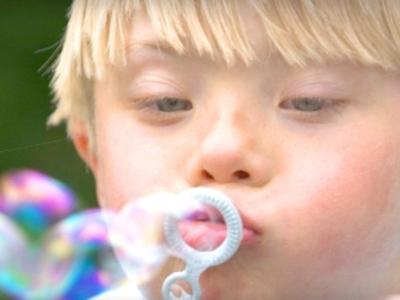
(80, 137)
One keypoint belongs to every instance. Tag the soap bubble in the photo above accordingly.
(11, 239)
(45, 252)
(12, 250)
(73, 261)
(34, 200)
(137, 237)
(137, 232)
(80, 248)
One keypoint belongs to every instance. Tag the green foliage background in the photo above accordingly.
(29, 33)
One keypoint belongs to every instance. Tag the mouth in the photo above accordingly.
(205, 230)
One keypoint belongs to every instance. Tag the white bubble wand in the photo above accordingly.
(198, 261)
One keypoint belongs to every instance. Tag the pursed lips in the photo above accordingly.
(205, 230)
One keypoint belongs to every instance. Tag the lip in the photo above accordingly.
(242, 201)
(204, 228)
(209, 213)
(208, 235)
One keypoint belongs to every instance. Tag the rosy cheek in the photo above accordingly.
(336, 204)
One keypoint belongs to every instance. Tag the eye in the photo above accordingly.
(307, 104)
(161, 110)
(169, 104)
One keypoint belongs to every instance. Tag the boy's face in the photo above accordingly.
(310, 157)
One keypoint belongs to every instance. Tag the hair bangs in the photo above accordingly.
(209, 27)
(361, 31)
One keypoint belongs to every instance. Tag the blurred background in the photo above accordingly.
(30, 31)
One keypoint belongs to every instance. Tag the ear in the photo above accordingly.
(79, 134)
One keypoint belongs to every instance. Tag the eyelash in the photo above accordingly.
(321, 104)
(152, 113)
(287, 104)
(149, 103)
(314, 108)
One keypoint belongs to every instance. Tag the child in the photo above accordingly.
(290, 107)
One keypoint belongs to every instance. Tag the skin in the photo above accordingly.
(318, 183)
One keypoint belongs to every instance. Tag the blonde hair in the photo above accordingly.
(362, 31)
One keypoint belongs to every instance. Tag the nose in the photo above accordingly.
(230, 152)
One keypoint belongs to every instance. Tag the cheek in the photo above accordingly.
(132, 163)
(340, 202)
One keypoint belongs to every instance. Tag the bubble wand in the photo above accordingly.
(198, 261)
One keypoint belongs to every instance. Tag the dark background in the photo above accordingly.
(30, 30)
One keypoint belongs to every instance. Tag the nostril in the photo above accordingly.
(241, 174)
(207, 175)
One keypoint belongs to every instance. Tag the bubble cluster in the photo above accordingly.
(46, 254)
(48, 251)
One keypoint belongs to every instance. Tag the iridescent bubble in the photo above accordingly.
(80, 247)
(137, 237)
(34, 200)
(137, 232)
(11, 239)
(44, 254)
(73, 261)
(20, 261)
(12, 250)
